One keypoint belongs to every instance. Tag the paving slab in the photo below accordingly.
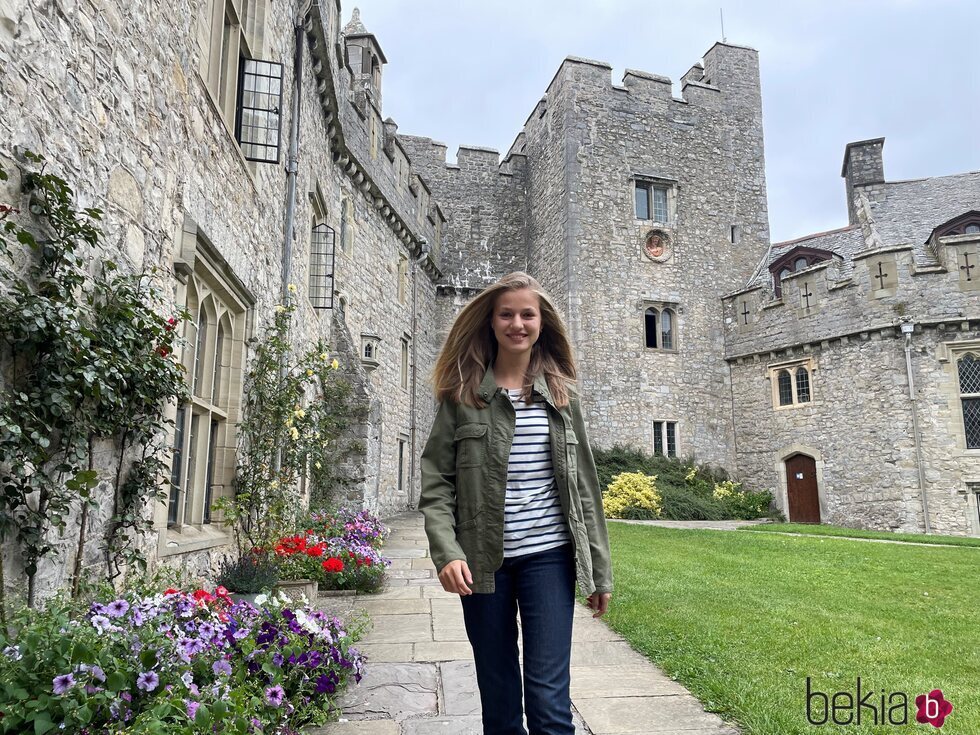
(469, 725)
(614, 715)
(404, 552)
(385, 652)
(400, 629)
(394, 691)
(460, 694)
(589, 682)
(394, 607)
(402, 592)
(356, 727)
(410, 573)
(443, 651)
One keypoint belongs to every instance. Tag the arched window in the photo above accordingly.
(785, 388)
(800, 263)
(968, 369)
(971, 229)
(802, 385)
(667, 329)
(650, 320)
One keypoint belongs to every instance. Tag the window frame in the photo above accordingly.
(648, 185)
(203, 437)
(966, 396)
(659, 309)
(791, 369)
(665, 438)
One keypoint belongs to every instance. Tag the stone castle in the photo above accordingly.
(840, 370)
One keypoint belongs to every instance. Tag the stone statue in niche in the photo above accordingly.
(656, 245)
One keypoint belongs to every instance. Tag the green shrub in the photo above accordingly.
(687, 489)
(632, 495)
(683, 504)
(249, 574)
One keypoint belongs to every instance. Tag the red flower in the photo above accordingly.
(333, 564)
(170, 591)
(163, 351)
(203, 595)
(220, 591)
(171, 323)
(314, 551)
(367, 561)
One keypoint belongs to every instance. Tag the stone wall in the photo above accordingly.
(709, 145)
(858, 426)
(111, 94)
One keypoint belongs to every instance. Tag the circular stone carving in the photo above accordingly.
(656, 244)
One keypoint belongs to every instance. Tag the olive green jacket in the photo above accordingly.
(464, 481)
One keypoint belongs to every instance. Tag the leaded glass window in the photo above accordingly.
(671, 438)
(658, 437)
(258, 121)
(666, 329)
(659, 199)
(202, 462)
(785, 388)
(322, 243)
(968, 368)
(802, 385)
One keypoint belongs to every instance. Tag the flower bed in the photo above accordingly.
(174, 663)
(339, 550)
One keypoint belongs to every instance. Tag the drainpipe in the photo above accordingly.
(292, 167)
(292, 162)
(907, 328)
(413, 424)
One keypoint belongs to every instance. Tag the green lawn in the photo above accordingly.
(742, 619)
(825, 530)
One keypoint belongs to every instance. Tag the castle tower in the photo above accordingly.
(365, 57)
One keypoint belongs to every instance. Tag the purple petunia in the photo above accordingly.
(274, 696)
(63, 683)
(101, 623)
(147, 681)
(117, 608)
(191, 708)
(221, 667)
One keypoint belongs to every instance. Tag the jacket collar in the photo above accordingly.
(488, 387)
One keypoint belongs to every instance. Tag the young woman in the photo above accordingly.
(512, 506)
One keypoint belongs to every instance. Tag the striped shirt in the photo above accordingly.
(533, 518)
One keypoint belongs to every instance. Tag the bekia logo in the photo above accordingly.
(933, 708)
(853, 708)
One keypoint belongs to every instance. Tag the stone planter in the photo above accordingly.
(247, 596)
(296, 589)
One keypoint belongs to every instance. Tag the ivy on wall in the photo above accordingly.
(86, 356)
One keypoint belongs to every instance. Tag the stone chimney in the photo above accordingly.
(862, 166)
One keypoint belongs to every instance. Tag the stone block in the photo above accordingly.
(397, 691)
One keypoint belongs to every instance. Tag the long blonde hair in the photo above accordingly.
(471, 348)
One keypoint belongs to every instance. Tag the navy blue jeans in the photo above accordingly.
(542, 587)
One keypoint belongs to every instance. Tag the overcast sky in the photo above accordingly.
(834, 71)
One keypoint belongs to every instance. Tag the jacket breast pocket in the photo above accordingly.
(571, 451)
(471, 445)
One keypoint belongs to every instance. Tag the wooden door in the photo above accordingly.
(801, 489)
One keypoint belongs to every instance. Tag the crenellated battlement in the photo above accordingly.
(875, 288)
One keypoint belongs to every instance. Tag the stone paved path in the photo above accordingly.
(420, 678)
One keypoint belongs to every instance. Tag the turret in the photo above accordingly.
(365, 57)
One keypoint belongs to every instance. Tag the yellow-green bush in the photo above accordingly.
(632, 495)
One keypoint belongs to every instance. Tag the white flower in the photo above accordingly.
(291, 288)
(261, 600)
